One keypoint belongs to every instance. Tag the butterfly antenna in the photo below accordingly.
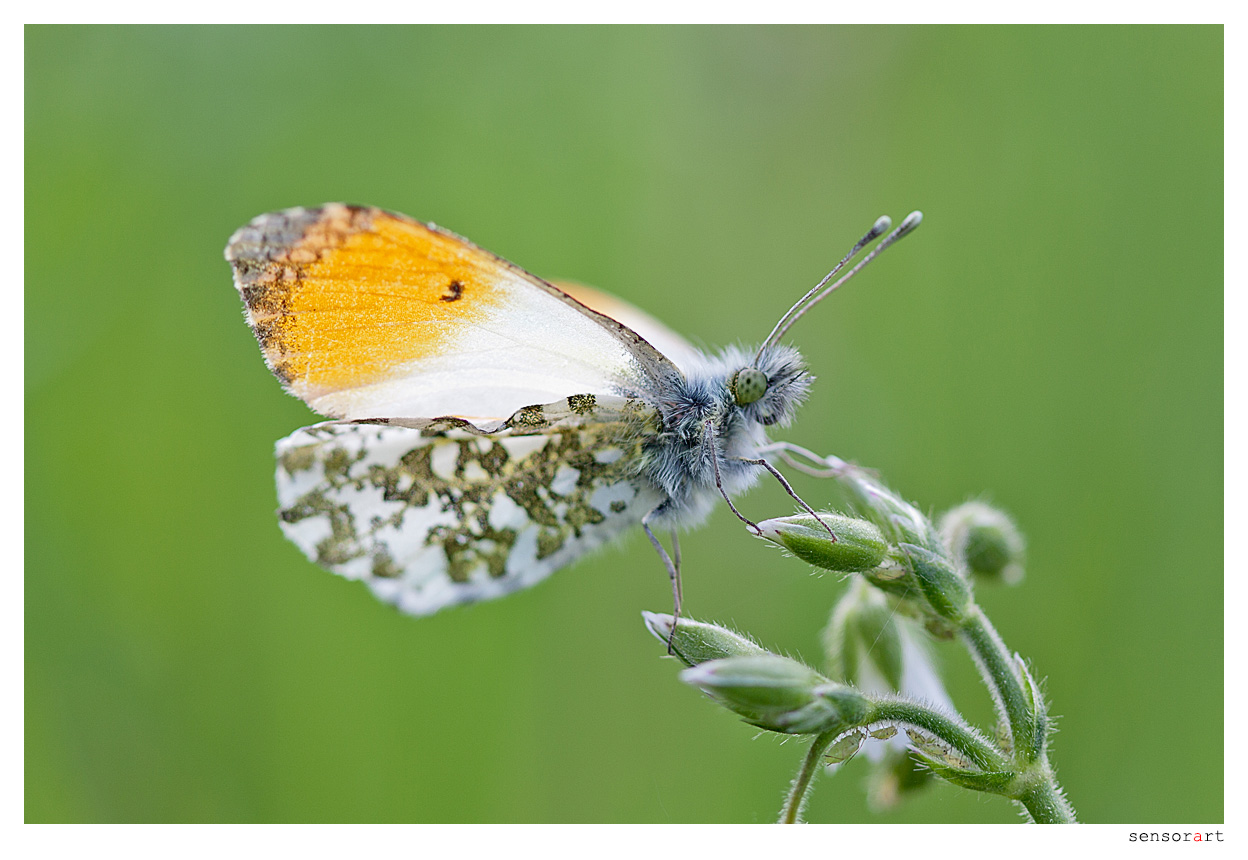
(877, 229)
(809, 300)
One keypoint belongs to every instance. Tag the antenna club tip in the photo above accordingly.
(881, 226)
(912, 220)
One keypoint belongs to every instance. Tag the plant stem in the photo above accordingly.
(961, 738)
(1045, 802)
(791, 812)
(997, 669)
(1039, 791)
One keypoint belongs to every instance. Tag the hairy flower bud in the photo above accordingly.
(986, 541)
(696, 642)
(777, 693)
(946, 591)
(859, 545)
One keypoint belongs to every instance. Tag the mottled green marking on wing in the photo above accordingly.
(419, 500)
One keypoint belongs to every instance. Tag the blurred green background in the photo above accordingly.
(1051, 339)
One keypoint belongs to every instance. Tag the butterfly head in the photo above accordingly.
(770, 388)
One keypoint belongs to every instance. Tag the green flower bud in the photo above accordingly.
(852, 705)
(986, 541)
(764, 682)
(946, 591)
(772, 692)
(859, 545)
(697, 641)
(862, 642)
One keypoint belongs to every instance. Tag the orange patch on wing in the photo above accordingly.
(355, 298)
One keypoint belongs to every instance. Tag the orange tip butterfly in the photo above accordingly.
(488, 427)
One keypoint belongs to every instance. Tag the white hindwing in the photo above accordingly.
(447, 512)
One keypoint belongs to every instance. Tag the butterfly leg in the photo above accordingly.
(805, 460)
(675, 550)
(673, 566)
(788, 489)
(797, 457)
(708, 439)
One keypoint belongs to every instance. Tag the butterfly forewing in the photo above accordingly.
(364, 313)
(456, 512)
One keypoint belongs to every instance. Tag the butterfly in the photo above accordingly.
(489, 427)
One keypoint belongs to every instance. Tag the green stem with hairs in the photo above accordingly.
(795, 800)
(961, 738)
(997, 669)
(1044, 800)
(1023, 711)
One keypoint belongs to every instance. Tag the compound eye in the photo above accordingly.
(748, 385)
